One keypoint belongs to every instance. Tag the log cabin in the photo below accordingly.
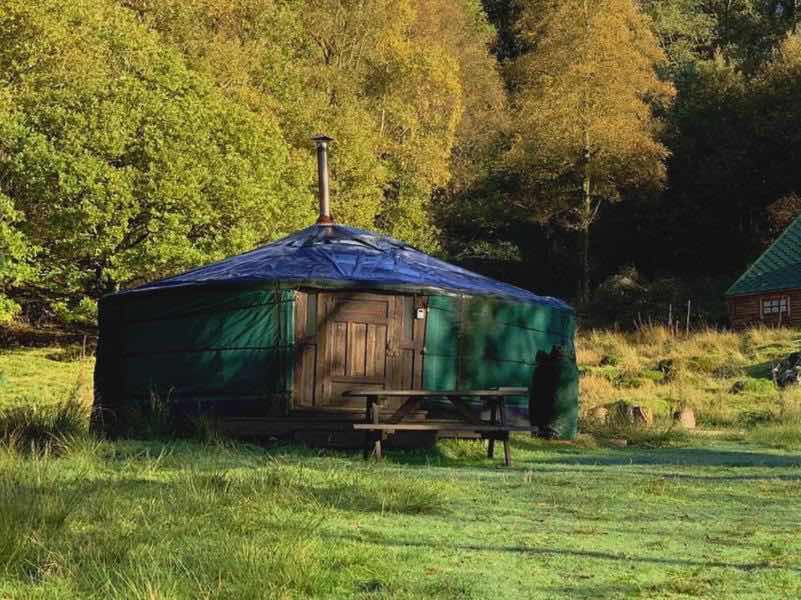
(769, 292)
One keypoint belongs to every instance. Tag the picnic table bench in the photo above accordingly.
(496, 428)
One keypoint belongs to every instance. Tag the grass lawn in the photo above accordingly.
(190, 520)
(41, 375)
(718, 517)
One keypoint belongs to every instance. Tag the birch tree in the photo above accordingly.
(587, 96)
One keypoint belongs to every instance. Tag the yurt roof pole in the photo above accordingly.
(321, 141)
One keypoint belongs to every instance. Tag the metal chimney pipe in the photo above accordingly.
(321, 142)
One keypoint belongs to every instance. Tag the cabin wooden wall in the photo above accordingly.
(306, 349)
(747, 310)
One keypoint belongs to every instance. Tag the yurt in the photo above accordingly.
(265, 343)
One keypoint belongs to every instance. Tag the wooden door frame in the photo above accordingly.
(325, 306)
(311, 349)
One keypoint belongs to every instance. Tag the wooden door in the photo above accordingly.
(366, 341)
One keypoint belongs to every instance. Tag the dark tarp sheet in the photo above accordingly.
(335, 256)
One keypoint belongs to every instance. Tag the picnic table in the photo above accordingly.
(497, 428)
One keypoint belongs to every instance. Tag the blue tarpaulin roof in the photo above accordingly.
(337, 256)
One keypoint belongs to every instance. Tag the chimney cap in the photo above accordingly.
(322, 138)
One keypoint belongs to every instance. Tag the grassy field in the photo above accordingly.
(41, 376)
(723, 376)
(148, 520)
(674, 515)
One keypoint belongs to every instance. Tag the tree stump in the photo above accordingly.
(642, 416)
(685, 417)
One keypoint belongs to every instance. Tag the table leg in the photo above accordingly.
(368, 435)
(378, 434)
(493, 421)
(507, 450)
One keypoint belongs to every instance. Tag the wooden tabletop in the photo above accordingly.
(505, 391)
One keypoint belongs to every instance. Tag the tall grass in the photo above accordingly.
(723, 375)
(190, 521)
(662, 434)
(34, 510)
(781, 426)
(785, 435)
(34, 425)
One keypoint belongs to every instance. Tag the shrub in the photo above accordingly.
(8, 310)
(754, 386)
(83, 314)
(35, 426)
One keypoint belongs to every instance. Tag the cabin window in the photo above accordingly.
(776, 306)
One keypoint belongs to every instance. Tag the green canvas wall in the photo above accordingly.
(478, 343)
(227, 349)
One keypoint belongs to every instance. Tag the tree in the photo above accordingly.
(124, 164)
(14, 254)
(366, 72)
(586, 130)
(685, 29)
(15, 250)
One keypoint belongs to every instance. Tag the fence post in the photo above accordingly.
(689, 305)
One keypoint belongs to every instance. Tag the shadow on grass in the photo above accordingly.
(469, 457)
(591, 554)
(549, 453)
(678, 476)
(526, 453)
(690, 457)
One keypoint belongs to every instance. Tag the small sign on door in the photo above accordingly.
(421, 313)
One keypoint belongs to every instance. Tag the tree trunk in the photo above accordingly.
(585, 265)
(585, 261)
(586, 221)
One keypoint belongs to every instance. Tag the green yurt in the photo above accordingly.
(269, 340)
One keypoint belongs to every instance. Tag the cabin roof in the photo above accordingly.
(338, 256)
(778, 268)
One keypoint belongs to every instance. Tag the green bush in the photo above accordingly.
(8, 310)
(84, 313)
(754, 386)
(653, 375)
